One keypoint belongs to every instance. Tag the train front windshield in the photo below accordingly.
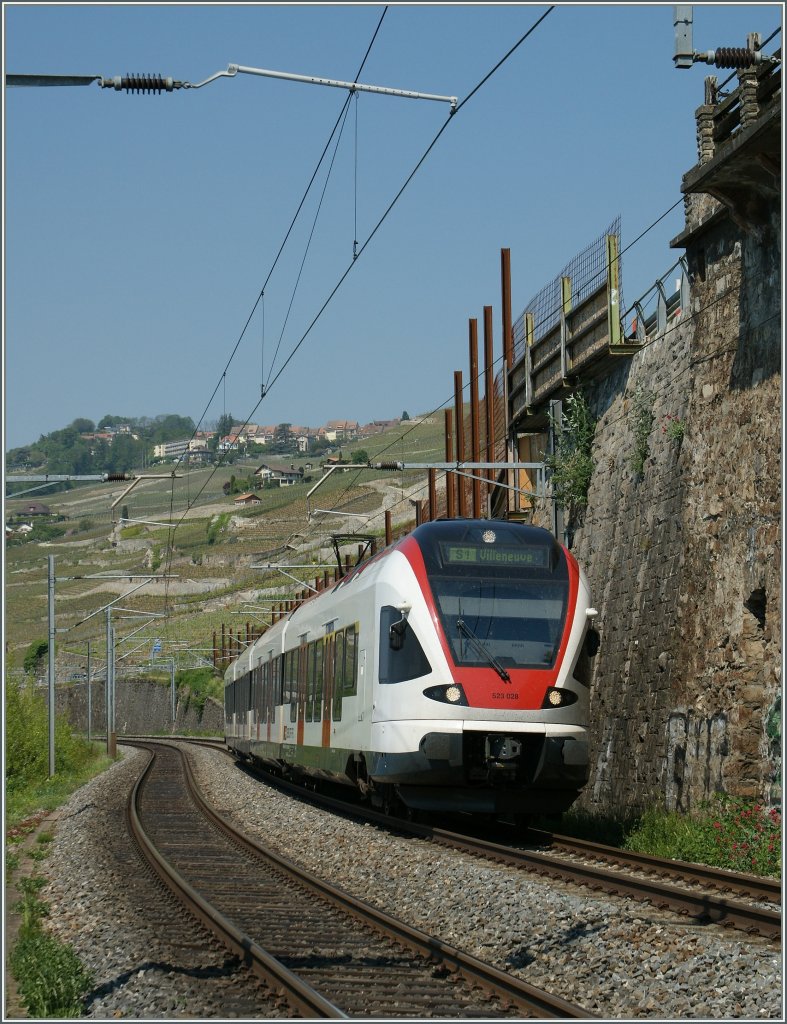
(501, 590)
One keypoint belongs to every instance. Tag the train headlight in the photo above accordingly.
(557, 698)
(451, 694)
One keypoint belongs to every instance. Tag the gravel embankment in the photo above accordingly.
(617, 958)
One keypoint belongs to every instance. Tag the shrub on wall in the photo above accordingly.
(642, 412)
(571, 464)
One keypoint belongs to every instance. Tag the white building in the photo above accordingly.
(170, 449)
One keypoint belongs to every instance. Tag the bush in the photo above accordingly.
(571, 463)
(36, 653)
(27, 739)
(727, 833)
(201, 683)
(643, 422)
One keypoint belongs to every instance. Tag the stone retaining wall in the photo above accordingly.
(141, 707)
(684, 559)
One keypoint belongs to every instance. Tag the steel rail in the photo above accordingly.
(702, 907)
(753, 886)
(299, 994)
(503, 985)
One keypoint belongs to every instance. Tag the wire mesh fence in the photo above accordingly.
(587, 271)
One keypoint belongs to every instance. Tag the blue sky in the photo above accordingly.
(139, 229)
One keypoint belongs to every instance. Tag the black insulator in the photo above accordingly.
(146, 83)
(390, 467)
(110, 477)
(734, 57)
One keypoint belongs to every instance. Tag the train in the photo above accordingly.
(448, 673)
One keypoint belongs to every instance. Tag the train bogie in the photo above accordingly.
(449, 672)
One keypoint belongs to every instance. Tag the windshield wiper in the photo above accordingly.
(462, 627)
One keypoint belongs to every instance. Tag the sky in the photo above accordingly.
(139, 230)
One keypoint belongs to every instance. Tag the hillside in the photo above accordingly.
(210, 552)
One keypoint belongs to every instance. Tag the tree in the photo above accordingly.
(112, 421)
(171, 427)
(360, 456)
(83, 426)
(35, 655)
(405, 415)
(224, 425)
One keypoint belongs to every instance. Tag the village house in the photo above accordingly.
(247, 499)
(281, 475)
(35, 508)
(341, 429)
(170, 449)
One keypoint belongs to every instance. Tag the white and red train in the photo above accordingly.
(449, 672)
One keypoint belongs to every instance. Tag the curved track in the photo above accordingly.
(692, 890)
(328, 953)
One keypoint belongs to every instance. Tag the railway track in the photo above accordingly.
(329, 954)
(704, 894)
(754, 887)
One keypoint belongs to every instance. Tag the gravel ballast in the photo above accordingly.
(618, 958)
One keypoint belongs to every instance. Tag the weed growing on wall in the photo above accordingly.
(571, 464)
(674, 429)
(643, 416)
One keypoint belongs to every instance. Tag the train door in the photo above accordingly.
(303, 661)
(259, 709)
(277, 685)
(363, 696)
(329, 647)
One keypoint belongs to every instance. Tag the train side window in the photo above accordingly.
(338, 677)
(409, 662)
(351, 662)
(583, 668)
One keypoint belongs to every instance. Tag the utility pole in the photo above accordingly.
(89, 695)
(110, 686)
(51, 666)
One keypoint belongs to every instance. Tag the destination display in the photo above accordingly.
(486, 554)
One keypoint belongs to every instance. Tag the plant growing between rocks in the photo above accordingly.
(674, 429)
(51, 979)
(571, 464)
(642, 412)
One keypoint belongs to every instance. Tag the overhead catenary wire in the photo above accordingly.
(283, 244)
(308, 244)
(407, 181)
(382, 219)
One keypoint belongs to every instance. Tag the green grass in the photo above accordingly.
(52, 982)
(724, 833)
(49, 794)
